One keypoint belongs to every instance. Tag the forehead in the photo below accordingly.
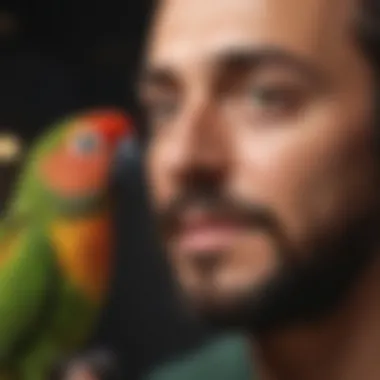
(188, 32)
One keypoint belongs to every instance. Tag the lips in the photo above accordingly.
(199, 231)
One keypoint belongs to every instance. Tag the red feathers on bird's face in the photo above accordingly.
(99, 129)
(78, 172)
(82, 164)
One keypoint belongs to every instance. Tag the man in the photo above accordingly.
(263, 167)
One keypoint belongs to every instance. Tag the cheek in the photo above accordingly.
(155, 175)
(311, 176)
(69, 175)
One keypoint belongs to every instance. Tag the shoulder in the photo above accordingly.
(222, 358)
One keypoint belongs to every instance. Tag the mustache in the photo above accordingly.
(252, 214)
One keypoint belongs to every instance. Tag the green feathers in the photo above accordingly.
(30, 195)
(45, 312)
(28, 269)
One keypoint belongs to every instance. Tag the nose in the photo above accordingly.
(200, 152)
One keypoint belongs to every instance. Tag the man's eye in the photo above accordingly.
(274, 99)
(161, 111)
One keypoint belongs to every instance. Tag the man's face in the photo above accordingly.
(260, 159)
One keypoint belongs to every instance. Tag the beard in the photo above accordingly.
(301, 291)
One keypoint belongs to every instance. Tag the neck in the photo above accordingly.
(346, 346)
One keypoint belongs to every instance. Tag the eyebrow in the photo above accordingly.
(254, 58)
(155, 76)
(240, 59)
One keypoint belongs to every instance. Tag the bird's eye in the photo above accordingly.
(86, 143)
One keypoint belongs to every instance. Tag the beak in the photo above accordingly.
(126, 160)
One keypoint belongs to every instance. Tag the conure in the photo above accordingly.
(56, 244)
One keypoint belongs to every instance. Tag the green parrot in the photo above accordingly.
(56, 244)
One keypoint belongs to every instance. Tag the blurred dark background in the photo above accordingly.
(60, 56)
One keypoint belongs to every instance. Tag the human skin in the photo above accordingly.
(268, 103)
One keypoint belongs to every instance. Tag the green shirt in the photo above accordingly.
(226, 358)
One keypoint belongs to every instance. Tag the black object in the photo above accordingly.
(143, 323)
